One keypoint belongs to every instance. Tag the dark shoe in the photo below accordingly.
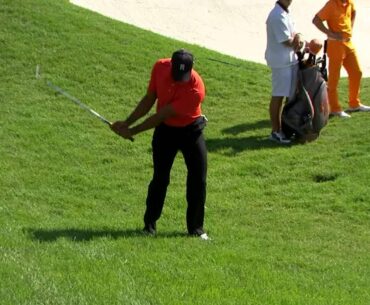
(279, 137)
(149, 229)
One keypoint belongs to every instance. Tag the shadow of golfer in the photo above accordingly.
(83, 235)
(234, 146)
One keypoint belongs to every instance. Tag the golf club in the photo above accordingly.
(223, 62)
(79, 103)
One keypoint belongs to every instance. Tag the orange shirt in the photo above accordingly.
(338, 16)
(185, 97)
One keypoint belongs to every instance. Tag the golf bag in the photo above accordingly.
(307, 112)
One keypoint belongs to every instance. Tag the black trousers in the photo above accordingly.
(167, 141)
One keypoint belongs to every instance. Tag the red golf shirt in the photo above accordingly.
(185, 97)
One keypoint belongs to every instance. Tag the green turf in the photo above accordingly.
(289, 225)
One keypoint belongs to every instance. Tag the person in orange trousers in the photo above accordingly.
(339, 16)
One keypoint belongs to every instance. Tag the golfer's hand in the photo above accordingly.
(298, 42)
(121, 128)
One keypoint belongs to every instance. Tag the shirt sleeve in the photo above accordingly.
(325, 12)
(280, 30)
(152, 87)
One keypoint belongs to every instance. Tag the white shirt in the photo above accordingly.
(280, 28)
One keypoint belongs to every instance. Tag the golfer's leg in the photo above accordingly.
(275, 109)
(352, 66)
(164, 153)
(195, 155)
(282, 86)
(335, 53)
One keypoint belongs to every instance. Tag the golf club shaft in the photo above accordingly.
(224, 62)
(79, 103)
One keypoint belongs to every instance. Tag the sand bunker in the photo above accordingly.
(233, 27)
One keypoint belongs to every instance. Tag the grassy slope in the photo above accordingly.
(289, 225)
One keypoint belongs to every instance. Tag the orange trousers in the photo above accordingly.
(343, 54)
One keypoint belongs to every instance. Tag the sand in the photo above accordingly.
(232, 27)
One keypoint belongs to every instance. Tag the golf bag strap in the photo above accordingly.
(325, 46)
(308, 97)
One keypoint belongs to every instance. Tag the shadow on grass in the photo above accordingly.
(231, 146)
(83, 235)
(235, 130)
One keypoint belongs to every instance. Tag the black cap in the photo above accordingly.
(182, 63)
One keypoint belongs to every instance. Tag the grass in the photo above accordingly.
(289, 225)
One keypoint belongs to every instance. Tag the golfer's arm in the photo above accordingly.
(320, 25)
(142, 108)
(353, 18)
(154, 120)
(291, 41)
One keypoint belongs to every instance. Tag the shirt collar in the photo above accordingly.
(284, 7)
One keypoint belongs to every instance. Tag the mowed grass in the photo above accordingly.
(289, 225)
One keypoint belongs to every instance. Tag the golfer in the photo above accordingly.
(280, 55)
(339, 16)
(178, 91)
